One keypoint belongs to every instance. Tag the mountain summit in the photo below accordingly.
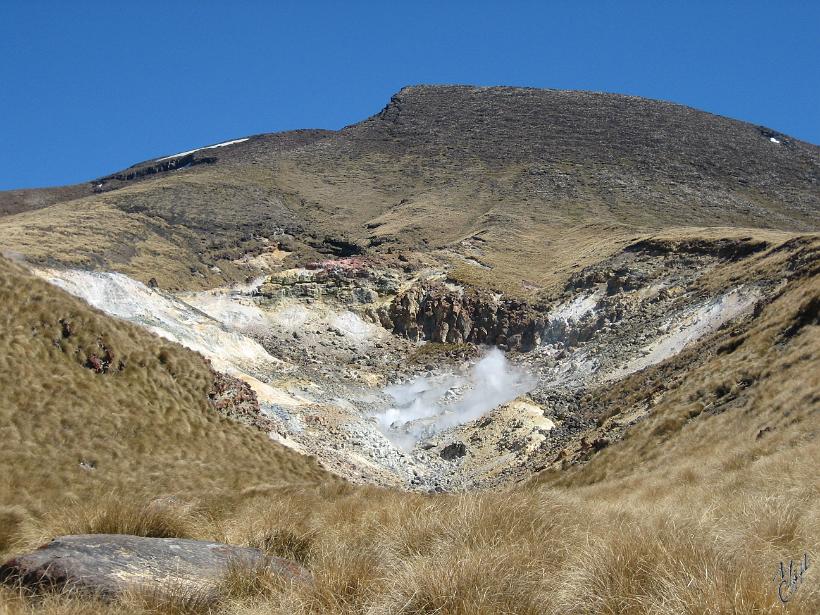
(517, 168)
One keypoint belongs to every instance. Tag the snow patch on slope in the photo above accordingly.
(191, 151)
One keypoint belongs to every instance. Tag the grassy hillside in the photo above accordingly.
(16, 201)
(90, 405)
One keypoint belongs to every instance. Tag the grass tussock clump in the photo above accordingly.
(12, 523)
(168, 600)
(120, 513)
(171, 599)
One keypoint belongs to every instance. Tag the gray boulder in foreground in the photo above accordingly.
(109, 564)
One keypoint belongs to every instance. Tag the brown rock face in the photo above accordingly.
(236, 400)
(110, 564)
(433, 312)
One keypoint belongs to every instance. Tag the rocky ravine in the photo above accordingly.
(380, 371)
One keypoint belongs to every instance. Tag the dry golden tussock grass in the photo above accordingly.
(691, 513)
(538, 550)
(120, 513)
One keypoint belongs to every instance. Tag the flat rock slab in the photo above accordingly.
(109, 564)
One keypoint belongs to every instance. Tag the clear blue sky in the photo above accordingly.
(87, 88)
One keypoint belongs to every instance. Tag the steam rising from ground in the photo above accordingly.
(430, 404)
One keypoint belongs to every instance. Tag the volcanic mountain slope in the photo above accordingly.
(650, 270)
(484, 179)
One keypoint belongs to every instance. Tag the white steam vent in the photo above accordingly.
(430, 404)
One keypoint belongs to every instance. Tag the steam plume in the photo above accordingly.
(428, 405)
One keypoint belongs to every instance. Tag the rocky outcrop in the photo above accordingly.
(349, 280)
(453, 451)
(235, 399)
(155, 167)
(433, 312)
(727, 249)
(650, 270)
(110, 564)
